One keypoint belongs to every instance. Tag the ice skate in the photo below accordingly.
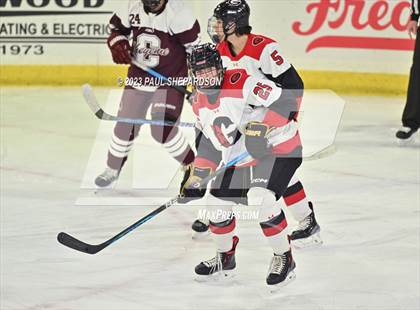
(406, 135)
(220, 266)
(107, 178)
(281, 271)
(307, 233)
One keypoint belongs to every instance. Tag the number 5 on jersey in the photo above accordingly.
(277, 58)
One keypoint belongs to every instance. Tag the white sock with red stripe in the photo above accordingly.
(222, 223)
(296, 201)
(272, 220)
(274, 227)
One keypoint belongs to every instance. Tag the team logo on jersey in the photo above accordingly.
(153, 51)
(257, 40)
(225, 131)
(235, 77)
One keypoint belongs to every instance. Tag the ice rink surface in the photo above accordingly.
(366, 196)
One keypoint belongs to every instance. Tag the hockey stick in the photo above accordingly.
(81, 246)
(93, 104)
(163, 78)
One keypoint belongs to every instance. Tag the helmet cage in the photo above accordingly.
(212, 26)
(206, 67)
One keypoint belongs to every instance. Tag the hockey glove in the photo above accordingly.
(191, 187)
(120, 48)
(256, 141)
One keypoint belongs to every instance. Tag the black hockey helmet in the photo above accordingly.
(235, 17)
(151, 5)
(206, 67)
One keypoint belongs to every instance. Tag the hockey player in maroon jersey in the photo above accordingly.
(260, 56)
(238, 113)
(162, 33)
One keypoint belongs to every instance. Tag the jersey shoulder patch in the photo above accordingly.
(257, 40)
(256, 45)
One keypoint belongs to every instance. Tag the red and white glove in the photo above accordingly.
(120, 48)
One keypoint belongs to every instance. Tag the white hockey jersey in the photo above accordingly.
(260, 57)
(243, 99)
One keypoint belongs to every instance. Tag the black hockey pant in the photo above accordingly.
(411, 114)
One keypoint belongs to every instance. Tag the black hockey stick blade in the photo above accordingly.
(71, 242)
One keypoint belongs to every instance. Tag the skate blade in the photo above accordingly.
(104, 189)
(200, 235)
(412, 141)
(221, 276)
(277, 287)
(110, 192)
(310, 242)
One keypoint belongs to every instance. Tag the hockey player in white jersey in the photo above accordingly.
(237, 113)
(260, 56)
(162, 32)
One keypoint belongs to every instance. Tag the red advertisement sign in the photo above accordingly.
(378, 15)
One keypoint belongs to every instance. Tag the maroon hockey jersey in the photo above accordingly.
(159, 41)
